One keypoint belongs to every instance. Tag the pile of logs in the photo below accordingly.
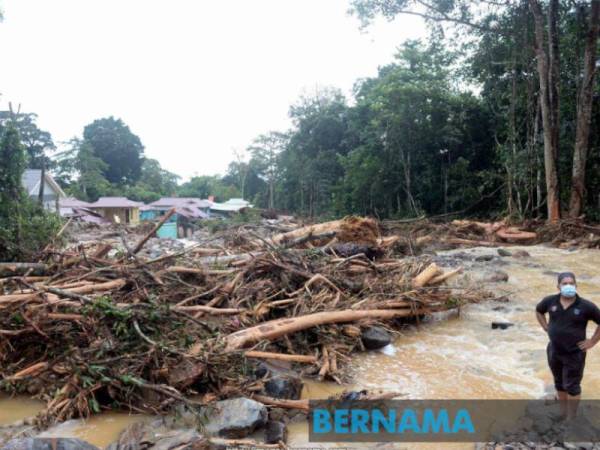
(86, 332)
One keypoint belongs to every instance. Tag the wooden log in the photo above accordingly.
(29, 371)
(319, 228)
(282, 403)
(513, 234)
(281, 356)
(445, 276)
(19, 268)
(55, 293)
(431, 271)
(152, 232)
(277, 328)
(62, 316)
(208, 309)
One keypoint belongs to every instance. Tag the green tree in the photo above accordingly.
(25, 228)
(265, 151)
(122, 151)
(37, 143)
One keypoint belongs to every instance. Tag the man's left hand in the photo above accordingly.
(586, 345)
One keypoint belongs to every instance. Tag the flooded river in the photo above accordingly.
(452, 357)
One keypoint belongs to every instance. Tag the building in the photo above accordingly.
(71, 207)
(180, 224)
(233, 205)
(118, 209)
(31, 180)
(196, 208)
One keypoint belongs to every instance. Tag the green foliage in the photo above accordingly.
(122, 151)
(25, 227)
(36, 142)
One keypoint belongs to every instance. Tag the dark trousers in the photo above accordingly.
(567, 369)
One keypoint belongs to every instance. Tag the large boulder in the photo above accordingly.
(375, 337)
(275, 432)
(236, 418)
(284, 386)
(48, 444)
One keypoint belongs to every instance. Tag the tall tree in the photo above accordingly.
(584, 111)
(122, 151)
(37, 143)
(265, 152)
(547, 68)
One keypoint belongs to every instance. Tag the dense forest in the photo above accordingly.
(495, 114)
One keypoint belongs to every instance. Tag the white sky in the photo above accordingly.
(194, 79)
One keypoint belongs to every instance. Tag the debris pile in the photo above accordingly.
(86, 331)
(419, 234)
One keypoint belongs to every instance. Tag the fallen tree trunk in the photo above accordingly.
(20, 268)
(282, 403)
(513, 234)
(89, 289)
(445, 276)
(274, 329)
(281, 356)
(430, 272)
(317, 229)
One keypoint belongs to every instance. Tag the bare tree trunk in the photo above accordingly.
(42, 184)
(548, 117)
(584, 113)
(271, 194)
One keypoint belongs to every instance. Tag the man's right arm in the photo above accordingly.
(540, 313)
(542, 320)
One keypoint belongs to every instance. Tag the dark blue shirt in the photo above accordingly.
(567, 327)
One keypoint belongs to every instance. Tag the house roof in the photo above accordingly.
(180, 202)
(115, 202)
(233, 204)
(31, 182)
(72, 202)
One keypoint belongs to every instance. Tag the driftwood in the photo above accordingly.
(445, 276)
(20, 268)
(88, 289)
(282, 403)
(498, 229)
(427, 275)
(281, 356)
(277, 328)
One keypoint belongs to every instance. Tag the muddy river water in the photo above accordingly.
(450, 357)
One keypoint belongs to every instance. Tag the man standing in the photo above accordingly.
(569, 315)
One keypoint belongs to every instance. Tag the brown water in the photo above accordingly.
(449, 357)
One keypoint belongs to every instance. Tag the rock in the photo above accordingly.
(496, 276)
(188, 439)
(261, 370)
(521, 254)
(280, 386)
(501, 325)
(375, 337)
(48, 444)
(504, 252)
(236, 418)
(484, 258)
(275, 432)
(278, 414)
(500, 308)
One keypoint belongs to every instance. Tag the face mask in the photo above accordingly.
(568, 290)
